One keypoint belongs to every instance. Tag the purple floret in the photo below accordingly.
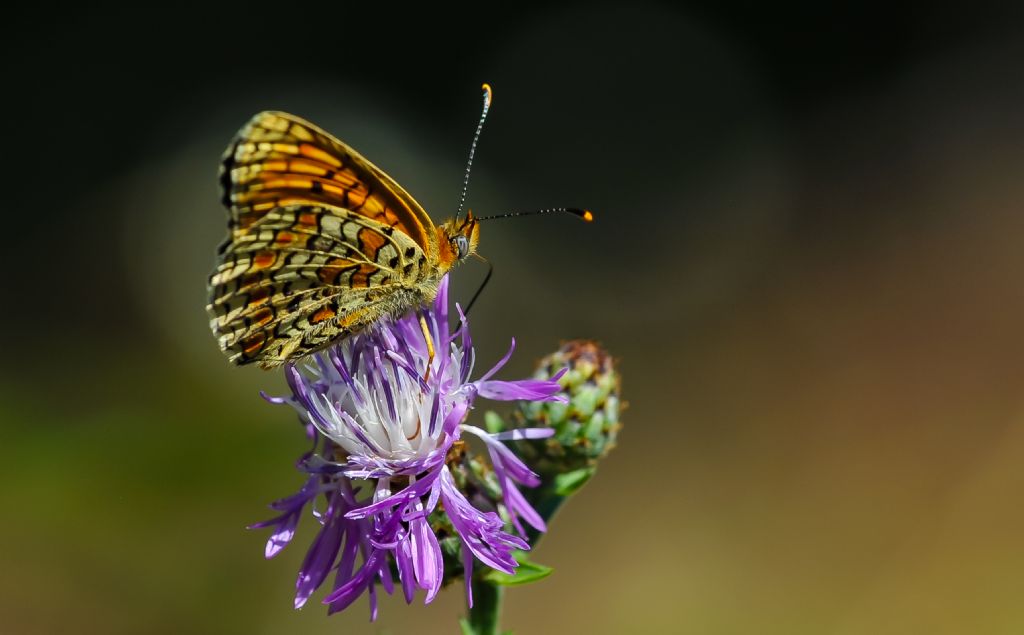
(383, 425)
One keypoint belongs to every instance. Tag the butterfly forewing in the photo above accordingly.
(279, 159)
(321, 243)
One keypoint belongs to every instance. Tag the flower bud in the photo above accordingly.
(586, 426)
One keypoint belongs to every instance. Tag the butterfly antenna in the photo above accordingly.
(472, 149)
(487, 278)
(585, 214)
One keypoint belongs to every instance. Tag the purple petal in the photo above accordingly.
(520, 434)
(432, 426)
(285, 524)
(301, 391)
(281, 536)
(348, 553)
(382, 380)
(528, 389)
(414, 490)
(357, 430)
(340, 598)
(512, 464)
(334, 353)
(403, 558)
(435, 493)
(298, 499)
(517, 504)
(454, 418)
(428, 561)
(480, 532)
(275, 400)
(321, 364)
(467, 574)
(501, 362)
(441, 302)
(504, 459)
(322, 553)
(467, 345)
(409, 370)
(384, 572)
(316, 464)
(373, 601)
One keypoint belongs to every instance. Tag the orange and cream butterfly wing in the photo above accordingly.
(321, 243)
(278, 159)
(308, 275)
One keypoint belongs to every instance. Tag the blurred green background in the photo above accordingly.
(807, 256)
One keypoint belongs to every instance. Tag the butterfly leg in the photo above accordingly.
(430, 345)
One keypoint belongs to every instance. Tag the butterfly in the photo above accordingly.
(321, 244)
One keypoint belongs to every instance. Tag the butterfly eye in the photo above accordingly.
(462, 244)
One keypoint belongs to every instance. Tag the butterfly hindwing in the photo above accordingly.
(304, 275)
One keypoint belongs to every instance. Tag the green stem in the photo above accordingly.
(486, 611)
(485, 615)
(546, 502)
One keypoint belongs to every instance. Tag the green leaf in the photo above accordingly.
(492, 422)
(569, 483)
(526, 572)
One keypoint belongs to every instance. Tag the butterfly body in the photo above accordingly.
(321, 244)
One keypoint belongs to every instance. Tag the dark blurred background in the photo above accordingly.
(807, 256)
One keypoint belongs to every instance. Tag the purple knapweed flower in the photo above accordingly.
(383, 431)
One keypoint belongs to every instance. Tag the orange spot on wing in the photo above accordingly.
(330, 271)
(325, 313)
(263, 260)
(286, 148)
(327, 186)
(346, 177)
(294, 200)
(300, 166)
(317, 154)
(355, 317)
(253, 344)
(361, 278)
(285, 238)
(262, 316)
(272, 166)
(356, 198)
(272, 181)
(371, 242)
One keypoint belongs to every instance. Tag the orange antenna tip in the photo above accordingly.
(575, 211)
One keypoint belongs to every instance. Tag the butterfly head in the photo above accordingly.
(459, 238)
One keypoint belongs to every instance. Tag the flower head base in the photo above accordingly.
(384, 426)
(585, 423)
